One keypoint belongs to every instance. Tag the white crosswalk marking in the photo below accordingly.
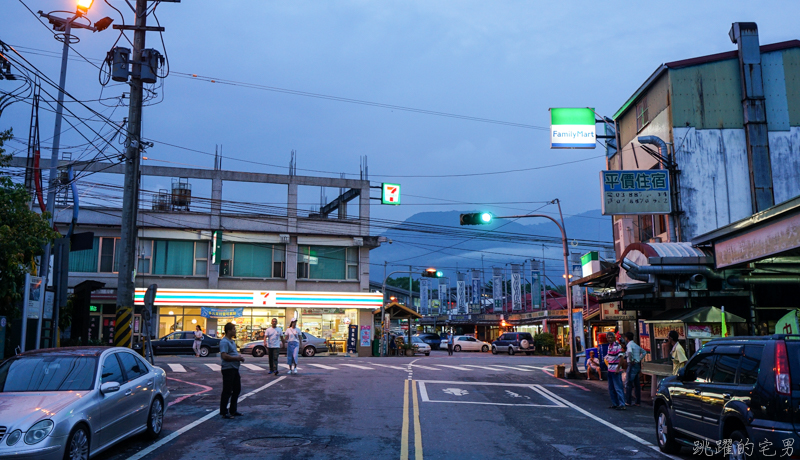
(485, 367)
(214, 367)
(426, 367)
(391, 367)
(455, 367)
(253, 367)
(515, 368)
(322, 366)
(177, 367)
(358, 367)
(532, 367)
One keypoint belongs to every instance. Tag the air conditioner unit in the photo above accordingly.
(623, 235)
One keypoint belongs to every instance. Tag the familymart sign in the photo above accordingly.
(572, 128)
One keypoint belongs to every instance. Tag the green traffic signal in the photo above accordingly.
(432, 273)
(476, 218)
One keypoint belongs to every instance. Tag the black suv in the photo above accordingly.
(431, 339)
(513, 342)
(743, 389)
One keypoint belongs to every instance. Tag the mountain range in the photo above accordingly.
(435, 239)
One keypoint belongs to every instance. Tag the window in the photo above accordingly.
(201, 258)
(133, 367)
(327, 262)
(352, 263)
(112, 372)
(702, 368)
(642, 117)
(48, 373)
(749, 365)
(85, 261)
(253, 260)
(176, 257)
(725, 370)
(175, 336)
(145, 256)
(109, 255)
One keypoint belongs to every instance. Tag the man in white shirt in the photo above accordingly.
(272, 342)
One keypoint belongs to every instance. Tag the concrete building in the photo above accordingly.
(730, 126)
(216, 261)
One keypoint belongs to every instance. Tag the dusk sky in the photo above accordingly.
(503, 61)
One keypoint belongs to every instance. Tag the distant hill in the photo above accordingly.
(420, 241)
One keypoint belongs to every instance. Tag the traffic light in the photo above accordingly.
(432, 273)
(477, 218)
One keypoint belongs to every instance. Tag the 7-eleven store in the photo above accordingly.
(323, 314)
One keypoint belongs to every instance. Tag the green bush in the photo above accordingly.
(544, 342)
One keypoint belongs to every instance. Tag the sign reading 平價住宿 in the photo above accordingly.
(635, 192)
(572, 128)
(390, 193)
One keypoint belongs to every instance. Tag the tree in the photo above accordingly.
(23, 234)
(402, 283)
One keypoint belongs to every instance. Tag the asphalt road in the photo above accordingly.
(470, 405)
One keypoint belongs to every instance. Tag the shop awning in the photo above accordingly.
(605, 278)
(398, 311)
(696, 316)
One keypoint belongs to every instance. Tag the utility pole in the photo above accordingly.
(130, 199)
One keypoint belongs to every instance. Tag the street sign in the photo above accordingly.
(572, 128)
(635, 192)
(390, 193)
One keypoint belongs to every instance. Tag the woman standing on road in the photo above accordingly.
(198, 339)
(293, 338)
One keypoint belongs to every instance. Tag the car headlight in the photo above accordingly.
(39, 431)
(13, 437)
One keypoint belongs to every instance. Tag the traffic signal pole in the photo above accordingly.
(479, 218)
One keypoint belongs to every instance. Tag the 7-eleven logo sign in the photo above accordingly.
(262, 297)
(390, 193)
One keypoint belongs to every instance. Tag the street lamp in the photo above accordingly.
(485, 218)
(65, 26)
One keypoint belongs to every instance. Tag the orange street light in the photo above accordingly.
(84, 5)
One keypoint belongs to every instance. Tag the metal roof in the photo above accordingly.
(676, 250)
(697, 61)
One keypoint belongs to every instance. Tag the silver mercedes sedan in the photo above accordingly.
(73, 403)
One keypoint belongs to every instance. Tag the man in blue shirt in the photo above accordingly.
(635, 355)
(231, 381)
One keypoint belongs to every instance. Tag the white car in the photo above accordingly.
(420, 346)
(469, 343)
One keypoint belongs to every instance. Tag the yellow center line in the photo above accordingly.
(417, 429)
(404, 436)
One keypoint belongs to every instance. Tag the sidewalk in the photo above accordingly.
(602, 386)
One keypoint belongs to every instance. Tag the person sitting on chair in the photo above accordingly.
(593, 364)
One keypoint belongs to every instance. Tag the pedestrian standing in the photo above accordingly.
(635, 355)
(678, 354)
(231, 382)
(293, 339)
(198, 339)
(450, 344)
(615, 389)
(272, 342)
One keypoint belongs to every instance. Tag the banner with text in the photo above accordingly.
(635, 192)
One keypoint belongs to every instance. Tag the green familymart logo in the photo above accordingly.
(572, 128)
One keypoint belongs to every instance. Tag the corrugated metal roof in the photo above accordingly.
(676, 250)
(698, 61)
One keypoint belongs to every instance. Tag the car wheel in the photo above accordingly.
(494, 350)
(78, 444)
(664, 432)
(259, 352)
(457, 348)
(485, 348)
(204, 351)
(309, 351)
(738, 448)
(510, 350)
(155, 420)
